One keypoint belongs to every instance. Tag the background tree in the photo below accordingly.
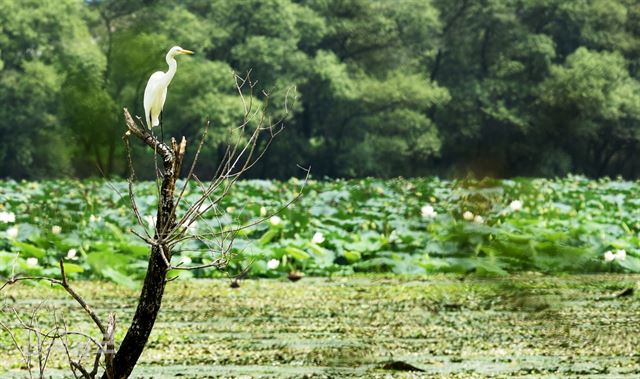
(385, 88)
(593, 97)
(37, 41)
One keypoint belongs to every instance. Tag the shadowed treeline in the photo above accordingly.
(384, 88)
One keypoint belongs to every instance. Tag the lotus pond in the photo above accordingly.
(340, 227)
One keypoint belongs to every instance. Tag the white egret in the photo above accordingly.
(156, 91)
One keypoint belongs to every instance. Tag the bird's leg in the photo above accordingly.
(161, 128)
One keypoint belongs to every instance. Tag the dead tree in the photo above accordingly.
(172, 226)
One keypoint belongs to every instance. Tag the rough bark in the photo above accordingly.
(144, 319)
(154, 283)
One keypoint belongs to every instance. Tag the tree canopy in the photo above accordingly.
(382, 88)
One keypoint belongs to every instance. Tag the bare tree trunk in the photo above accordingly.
(144, 319)
(154, 283)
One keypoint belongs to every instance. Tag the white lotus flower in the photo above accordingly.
(12, 232)
(7, 217)
(427, 211)
(71, 254)
(478, 219)
(516, 205)
(263, 211)
(317, 238)
(275, 220)
(32, 262)
(273, 264)
(56, 229)
(393, 236)
(467, 216)
(185, 260)
(609, 256)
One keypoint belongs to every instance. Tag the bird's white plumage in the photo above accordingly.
(155, 93)
(153, 101)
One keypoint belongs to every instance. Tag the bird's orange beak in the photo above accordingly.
(185, 51)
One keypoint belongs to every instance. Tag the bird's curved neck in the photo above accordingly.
(173, 66)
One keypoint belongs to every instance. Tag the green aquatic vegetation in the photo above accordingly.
(527, 324)
(339, 227)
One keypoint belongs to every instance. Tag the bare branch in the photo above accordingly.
(65, 343)
(80, 300)
(149, 139)
(110, 346)
(130, 180)
(15, 342)
(257, 221)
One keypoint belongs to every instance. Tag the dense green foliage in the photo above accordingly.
(384, 88)
(338, 227)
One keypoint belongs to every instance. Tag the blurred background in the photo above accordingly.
(384, 87)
